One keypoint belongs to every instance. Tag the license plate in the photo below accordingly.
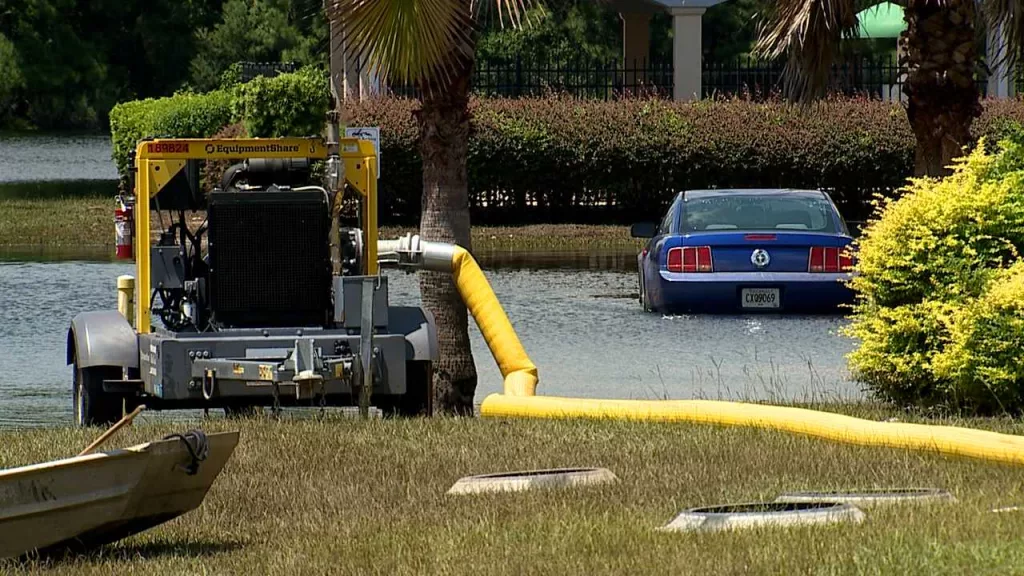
(760, 297)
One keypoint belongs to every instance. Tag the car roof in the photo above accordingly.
(718, 192)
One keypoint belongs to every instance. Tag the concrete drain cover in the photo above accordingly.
(774, 514)
(862, 498)
(530, 479)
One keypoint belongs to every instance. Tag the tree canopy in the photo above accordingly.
(65, 63)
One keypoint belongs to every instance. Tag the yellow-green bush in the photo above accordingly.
(982, 366)
(897, 349)
(929, 271)
(941, 238)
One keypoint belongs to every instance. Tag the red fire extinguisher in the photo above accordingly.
(124, 224)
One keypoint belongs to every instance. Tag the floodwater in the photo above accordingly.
(583, 328)
(55, 166)
(55, 157)
(576, 314)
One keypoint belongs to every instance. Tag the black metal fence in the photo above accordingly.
(250, 70)
(873, 77)
(592, 79)
(612, 79)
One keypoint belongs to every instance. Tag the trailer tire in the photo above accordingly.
(93, 406)
(418, 399)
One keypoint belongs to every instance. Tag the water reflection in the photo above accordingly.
(624, 261)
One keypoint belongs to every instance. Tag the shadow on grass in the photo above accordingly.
(165, 548)
(129, 551)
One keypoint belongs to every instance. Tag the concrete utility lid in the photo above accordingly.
(862, 498)
(754, 514)
(530, 479)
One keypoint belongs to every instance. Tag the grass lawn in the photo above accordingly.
(83, 223)
(343, 496)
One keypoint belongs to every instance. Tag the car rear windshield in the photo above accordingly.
(750, 212)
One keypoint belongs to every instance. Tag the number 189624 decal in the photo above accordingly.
(167, 148)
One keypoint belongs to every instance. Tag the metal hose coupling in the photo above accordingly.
(411, 251)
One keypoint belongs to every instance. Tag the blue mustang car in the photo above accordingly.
(746, 250)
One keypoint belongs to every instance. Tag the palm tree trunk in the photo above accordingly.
(940, 51)
(443, 120)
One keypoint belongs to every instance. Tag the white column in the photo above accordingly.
(369, 83)
(894, 92)
(686, 53)
(337, 64)
(351, 77)
(1000, 80)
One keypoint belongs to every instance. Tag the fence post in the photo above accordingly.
(519, 75)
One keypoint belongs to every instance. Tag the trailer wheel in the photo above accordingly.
(93, 406)
(418, 399)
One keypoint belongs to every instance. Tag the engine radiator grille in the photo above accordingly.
(270, 258)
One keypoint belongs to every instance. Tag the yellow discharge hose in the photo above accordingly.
(949, 440)
(519, 372)
(520, 385)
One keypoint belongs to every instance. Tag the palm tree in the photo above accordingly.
(938, 49)
(431, 43)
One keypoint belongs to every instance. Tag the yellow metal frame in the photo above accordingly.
(157, 161)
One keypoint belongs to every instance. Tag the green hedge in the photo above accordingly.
(558, 159)
(938, 270)
(285, 105)
(179, 116)
(288, 104)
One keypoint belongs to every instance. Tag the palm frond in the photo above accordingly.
(412, 40)
(1008, 14)
(514, 13)
(808, 32)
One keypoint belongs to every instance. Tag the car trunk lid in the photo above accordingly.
(764, 251)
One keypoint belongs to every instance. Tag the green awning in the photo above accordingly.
(883, 20)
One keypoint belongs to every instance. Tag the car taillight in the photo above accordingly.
(690, 259)
(824, 259)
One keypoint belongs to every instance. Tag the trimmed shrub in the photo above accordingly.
(563, 160)
(941, 239)
(982, 364)
(179, 116)
(558, 159)
(285, 105)
(932, 284)
(897, 348)
(289, 104)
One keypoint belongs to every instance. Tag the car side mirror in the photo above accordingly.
(643, 230)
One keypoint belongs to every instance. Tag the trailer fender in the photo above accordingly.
(102, 338)
(417, 324)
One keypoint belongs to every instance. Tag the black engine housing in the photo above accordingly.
(269, 254)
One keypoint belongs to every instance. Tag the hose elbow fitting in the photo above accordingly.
(410, 251)
(518, 370)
